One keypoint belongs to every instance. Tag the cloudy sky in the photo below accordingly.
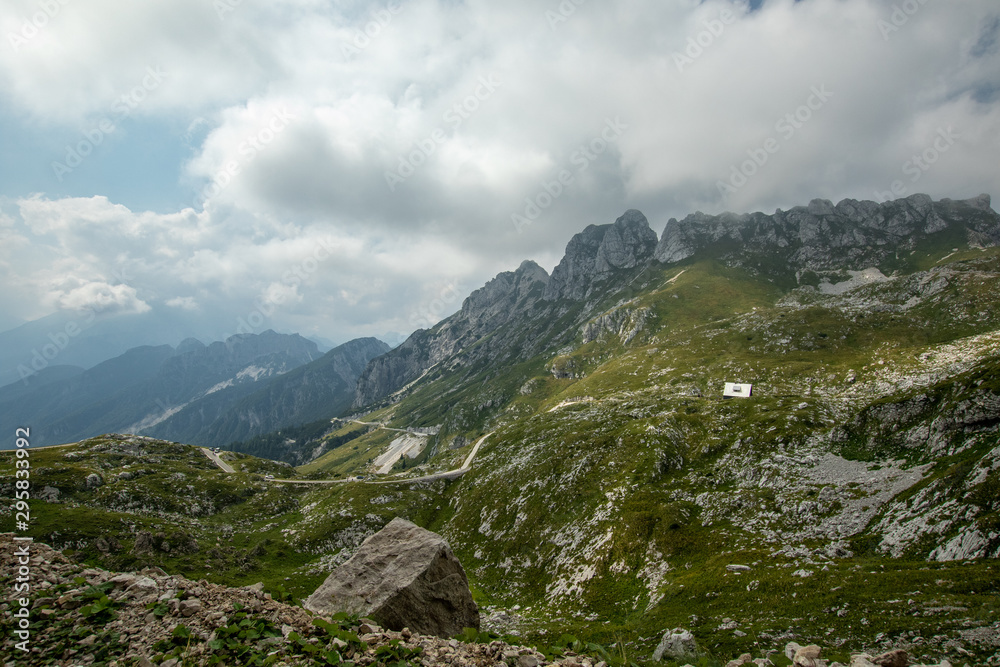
(344, 168)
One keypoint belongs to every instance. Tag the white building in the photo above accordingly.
(737, 390)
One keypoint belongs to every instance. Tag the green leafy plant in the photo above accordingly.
(394, 654)
(101, 609)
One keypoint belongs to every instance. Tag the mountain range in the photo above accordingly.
(568, 434)
(204, 394)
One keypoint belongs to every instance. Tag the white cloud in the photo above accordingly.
(102, 298)
(183, 302)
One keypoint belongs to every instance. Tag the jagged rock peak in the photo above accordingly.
(599, 250)
(505, 290)
(852, 234)
(507, 296)
(533, 271)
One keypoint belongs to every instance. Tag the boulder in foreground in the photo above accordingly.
(402, 576)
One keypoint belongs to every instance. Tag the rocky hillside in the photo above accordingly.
(869, 334)
(804, 245)
(89, 616)
(508, 296)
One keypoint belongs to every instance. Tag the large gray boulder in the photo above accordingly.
(402, 576)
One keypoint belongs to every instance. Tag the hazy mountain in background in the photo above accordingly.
(317, 390)
(86, 339)
(145, 385)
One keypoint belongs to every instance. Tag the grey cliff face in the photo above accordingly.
(598, 251)
(492, 304)
(505, 297)
(852, 234)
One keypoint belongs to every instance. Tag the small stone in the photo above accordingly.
(124, 580)
(153, 572)
(527, 661)
(88, 641)
(141, 587)
(807, 656)
(897, 658)
(216, 619)
(190, 607)
(790, 649)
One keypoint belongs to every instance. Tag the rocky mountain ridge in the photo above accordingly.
(852, 235)
(788, 247)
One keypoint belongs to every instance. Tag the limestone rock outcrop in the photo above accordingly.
(599, 250)
(509, 295)
(821, 236)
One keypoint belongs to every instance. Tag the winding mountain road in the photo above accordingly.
(449, 474)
